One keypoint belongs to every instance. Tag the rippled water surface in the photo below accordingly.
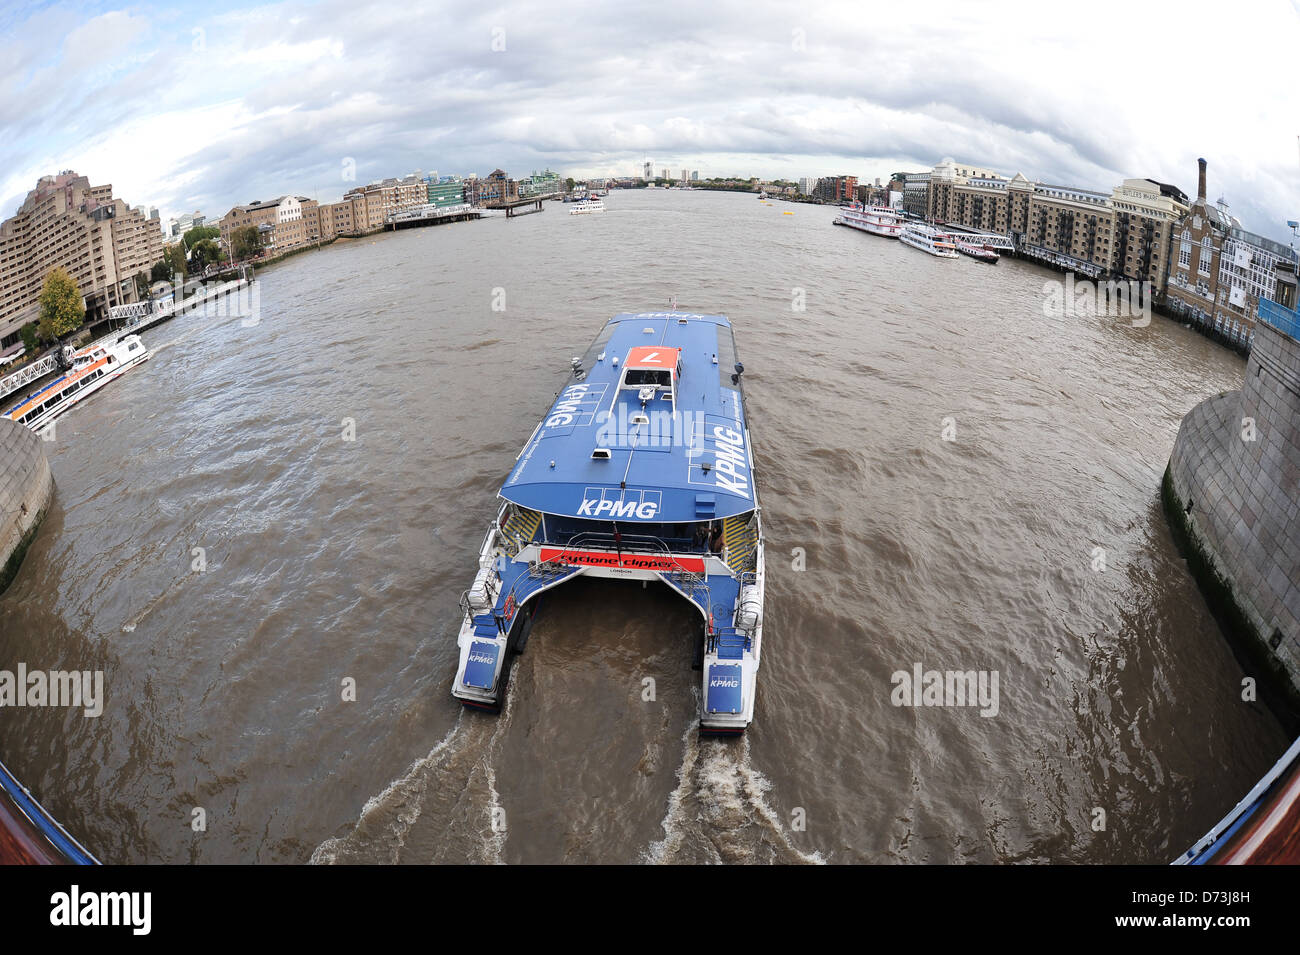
(328, 559)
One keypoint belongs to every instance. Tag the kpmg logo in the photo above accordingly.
(481, 658)
(567, 408)
(728, 682)
(614, 504)
(730, 461)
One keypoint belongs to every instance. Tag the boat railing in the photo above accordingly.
(728, 637)
(633, 542)
(690, 582)
(466, 610)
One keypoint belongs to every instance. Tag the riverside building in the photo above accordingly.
(283, 224)
(1121, 234)
(1220, 271)
(66, 222)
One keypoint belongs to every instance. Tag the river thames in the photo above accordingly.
(221, 550)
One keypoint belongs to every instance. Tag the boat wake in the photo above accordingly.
(719, 812)
(444, 809)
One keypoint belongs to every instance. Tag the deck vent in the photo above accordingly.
(647, 331)
(640, 418)
(681, 321)
(600, 454)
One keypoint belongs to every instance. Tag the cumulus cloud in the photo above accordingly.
(202, 106)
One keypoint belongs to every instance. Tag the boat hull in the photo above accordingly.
(916, 242)
(977, 253)
(887, 230)
(70, 399)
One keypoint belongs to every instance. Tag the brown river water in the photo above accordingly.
(327, 559)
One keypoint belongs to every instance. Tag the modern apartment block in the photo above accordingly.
(916, 194)
(541, 184)
(65, 221)
(179, 226)
(837, 188)
(1220, 271)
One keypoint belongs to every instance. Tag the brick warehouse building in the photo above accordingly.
(1125, 233)
(1220, 271)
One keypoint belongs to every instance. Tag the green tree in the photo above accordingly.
(199, 233)
(204, 253)
(142, 285)
(174, 256)
(160, 272)
(568, 184)
(62, 308)
(30, 338)
(246, 241)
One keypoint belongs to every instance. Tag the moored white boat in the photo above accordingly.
(586, 206)
(928, 239)
(88, 370)
(642, 471)
(878, 220)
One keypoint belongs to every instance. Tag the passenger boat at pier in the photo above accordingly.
(88, 370)
(642, 470)
(878, 220)
(928, 239)
(981, 252)
(585, 206)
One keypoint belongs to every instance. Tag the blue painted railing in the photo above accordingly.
(1285, 320)
(19, 797)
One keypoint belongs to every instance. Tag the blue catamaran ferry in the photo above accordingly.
(641, 470)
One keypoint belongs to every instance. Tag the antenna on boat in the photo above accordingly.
(672, 303)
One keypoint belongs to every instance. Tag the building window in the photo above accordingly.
(1207, 252)
(1185, 250)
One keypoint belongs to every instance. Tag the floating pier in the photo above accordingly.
(134, 318)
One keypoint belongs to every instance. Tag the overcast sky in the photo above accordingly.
(203, 105)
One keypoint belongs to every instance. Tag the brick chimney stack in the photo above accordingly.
(1200, 186)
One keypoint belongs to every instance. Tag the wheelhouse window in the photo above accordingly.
(660, 378)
